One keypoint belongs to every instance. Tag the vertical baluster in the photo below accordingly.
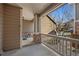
(75, 48)
(53, 42)
(57, 44)
(63, 47)
(66, 47)
(70, 48)
(60, 46)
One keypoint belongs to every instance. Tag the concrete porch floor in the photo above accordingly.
(34, 50)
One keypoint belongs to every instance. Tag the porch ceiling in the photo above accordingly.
(29, 9)
(35, 7)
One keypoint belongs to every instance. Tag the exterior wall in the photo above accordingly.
(28, 26)
(77, 11)
(77, 19)
(27, 13)
(47, 25)
(11, 27)
(1, 24)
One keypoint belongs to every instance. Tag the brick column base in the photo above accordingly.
(37, 38)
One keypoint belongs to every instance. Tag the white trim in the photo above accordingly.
(51, 9)
(21, 26)
(50, 50)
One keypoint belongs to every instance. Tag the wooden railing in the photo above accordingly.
(62, 45)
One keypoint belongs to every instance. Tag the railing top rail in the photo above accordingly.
(61, 37)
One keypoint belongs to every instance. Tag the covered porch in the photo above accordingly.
(36, 32)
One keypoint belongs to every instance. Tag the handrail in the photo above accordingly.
(67, 38)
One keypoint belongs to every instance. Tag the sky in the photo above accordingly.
(63, 14)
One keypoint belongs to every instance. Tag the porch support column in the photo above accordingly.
(36, 23)
(36, 36)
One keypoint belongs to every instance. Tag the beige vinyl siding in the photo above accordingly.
(1, 26)
(11, 27)
(77, 19)
(47, 25)
(28, 26)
